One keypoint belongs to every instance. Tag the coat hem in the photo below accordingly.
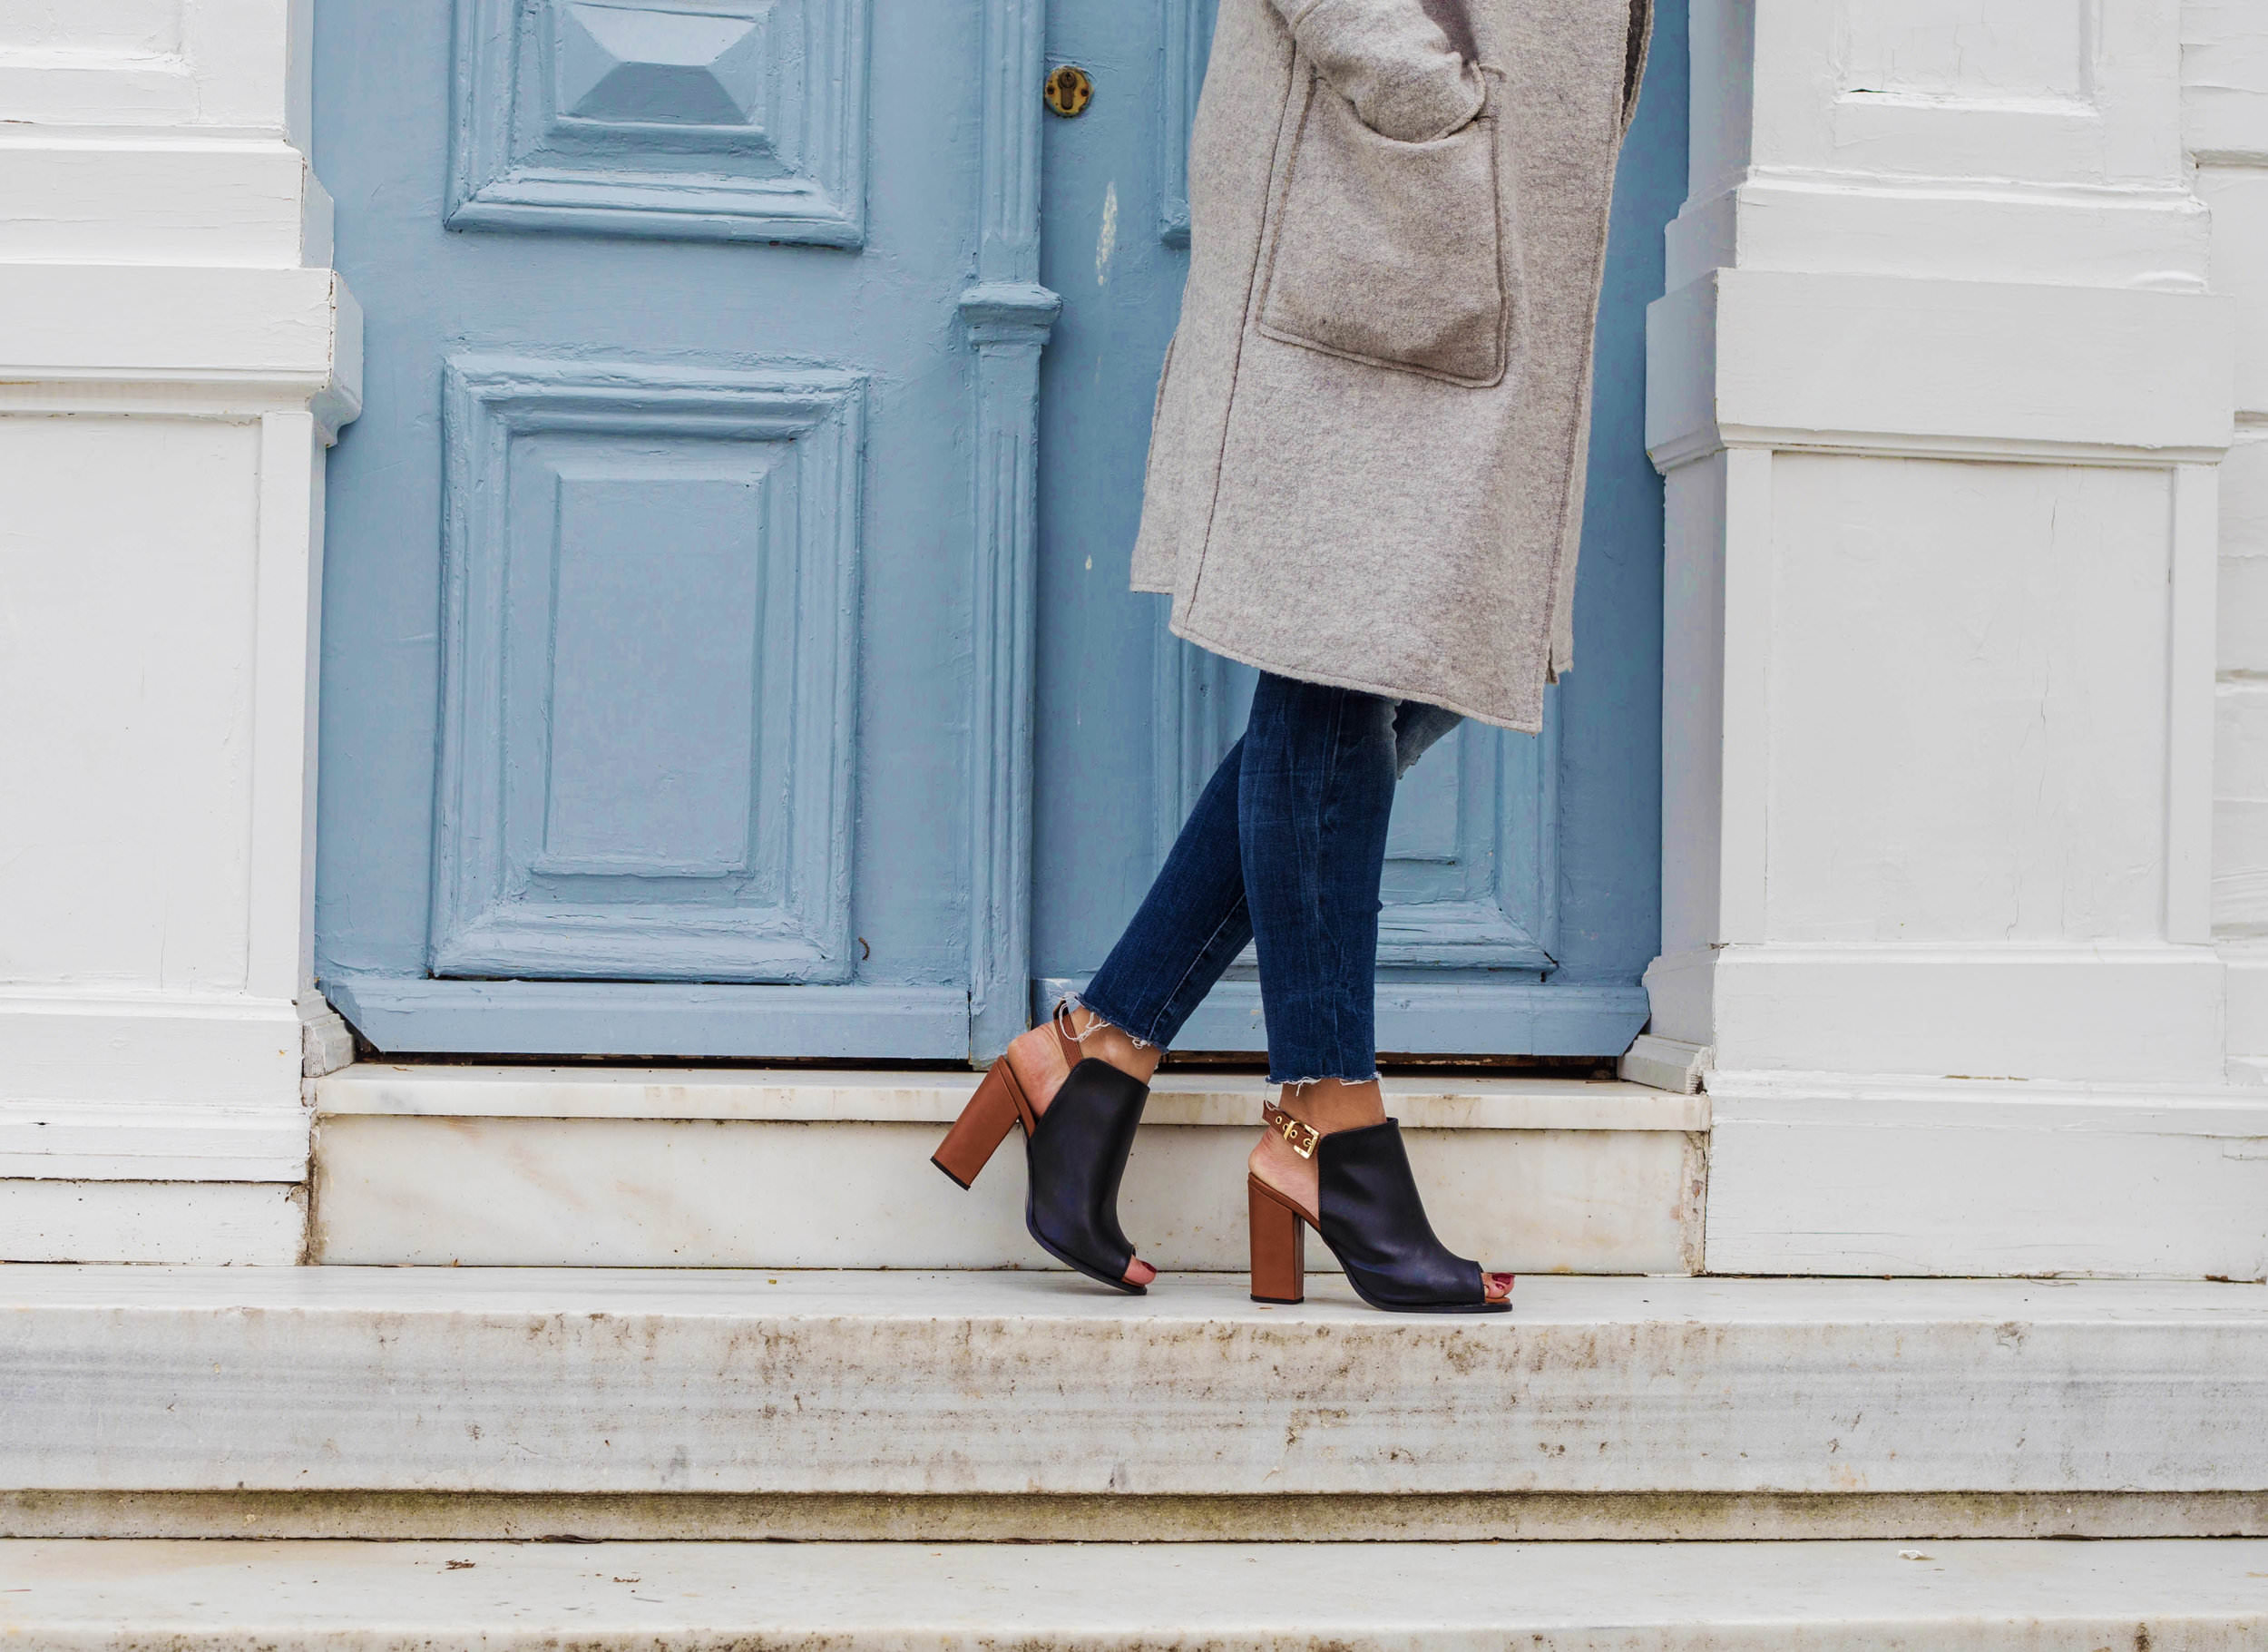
(1574, 486)
(1308, 674)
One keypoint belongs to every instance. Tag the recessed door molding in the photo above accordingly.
(732, 120)
(648, 666)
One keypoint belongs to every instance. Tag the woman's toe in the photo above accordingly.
(1498, 1287)
(1138, 1272)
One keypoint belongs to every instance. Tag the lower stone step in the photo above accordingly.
(1980, 1597)
(741, 1168)
(2107, 1408)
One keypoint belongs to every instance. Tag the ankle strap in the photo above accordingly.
(1300, 1137)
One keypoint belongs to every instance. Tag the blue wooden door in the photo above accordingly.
(677, 691)
(654, 678)
(1521, 888)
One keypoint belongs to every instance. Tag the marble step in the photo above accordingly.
(1648, 1395)
(1956, 1597)
(742, 1167)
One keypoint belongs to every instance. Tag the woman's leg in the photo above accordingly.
(1185, 933)
(1317, 795)
(1189, 927)
(1194, 919)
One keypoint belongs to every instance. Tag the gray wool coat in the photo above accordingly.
(1367, 463)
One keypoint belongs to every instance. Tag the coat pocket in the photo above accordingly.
(1391, 253)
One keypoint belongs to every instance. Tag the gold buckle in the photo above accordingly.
(1300, 1137)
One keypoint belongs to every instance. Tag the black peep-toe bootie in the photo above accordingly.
(1076, 1152)
(1372, 1218)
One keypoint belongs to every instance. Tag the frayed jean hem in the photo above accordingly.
(1080, 1001)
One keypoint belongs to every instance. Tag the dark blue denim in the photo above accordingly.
(1285, 847)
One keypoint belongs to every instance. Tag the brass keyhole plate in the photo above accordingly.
(1070, 90)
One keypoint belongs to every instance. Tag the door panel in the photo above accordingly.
(648, 655)
(724, 119)
(647, 631)
(1521, 890)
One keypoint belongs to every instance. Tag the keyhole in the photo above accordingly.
(1070, 90)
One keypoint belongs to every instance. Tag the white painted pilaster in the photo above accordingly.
(1942, 388)
(2225, 120)
(175, 354)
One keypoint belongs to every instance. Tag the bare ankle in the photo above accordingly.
(1105, 1042)
(1334, 1104)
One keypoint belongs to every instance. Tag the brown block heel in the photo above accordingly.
(1279, 1245)
(994, 1110)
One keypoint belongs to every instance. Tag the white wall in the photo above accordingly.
(1938, 606)
(162, 691)
(173, 355)
(1942, 395)
(2225, 122)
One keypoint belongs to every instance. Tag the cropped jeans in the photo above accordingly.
(1285, 847)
